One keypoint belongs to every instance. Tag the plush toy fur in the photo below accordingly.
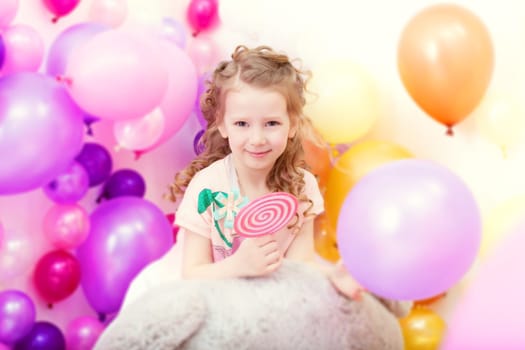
(294, 308)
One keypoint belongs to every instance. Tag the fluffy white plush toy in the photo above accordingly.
(294, 308)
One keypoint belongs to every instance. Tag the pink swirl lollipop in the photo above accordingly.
(265, 215)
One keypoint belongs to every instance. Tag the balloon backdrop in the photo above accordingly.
(83, 332)
(67, 41)
(43, 336)
(346, 103)
(353, 164)
(41, 131)
(127, 233)
(56, 275)
(409, 230)
(494, 295)
(8, 10)
(17, 315)
(70, 186)
(124, 182)
(66, 226)
(118, 75)
(97, 161)
(422, 329)
(445, 60)
(24, 49)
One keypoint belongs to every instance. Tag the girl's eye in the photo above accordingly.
(273, 123)
(241, 124)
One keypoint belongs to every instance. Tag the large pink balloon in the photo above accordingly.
(489, 314)
(41, 131)
(24, 49)
(117, 75)
(66, 226)
(178, 102)
(409, 230)
(127, 233)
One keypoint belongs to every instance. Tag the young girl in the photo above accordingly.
(252, 146)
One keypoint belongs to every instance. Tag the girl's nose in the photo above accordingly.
(257, 136)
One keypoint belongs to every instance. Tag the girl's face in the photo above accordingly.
(257, 125)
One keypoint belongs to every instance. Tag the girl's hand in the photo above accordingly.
(258, 256)
(345, 283)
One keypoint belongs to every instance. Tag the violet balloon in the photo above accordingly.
(17, 315)
(97, 161)
(41, 131)
(83, 332)
(43, 336)
(172, 30)
(2, 51)
(56, 275)
(69, 39)
(124, 182)
(69, 186)
(127, 233)
(409, 230)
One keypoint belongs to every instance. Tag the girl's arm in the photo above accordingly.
(255, 257)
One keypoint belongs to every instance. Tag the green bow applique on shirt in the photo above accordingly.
(223, 206)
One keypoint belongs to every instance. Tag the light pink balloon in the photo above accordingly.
(204, 53)
(1, 235)
(117, 75)
(8, 10)
(141, 133)
(489, 314)
(24, 49)
(110, 12)
(17, 255)
(66, 226)
(180, 96)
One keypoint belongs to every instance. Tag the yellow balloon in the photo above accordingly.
(345, 101)
(422, 329)
(355, 163)
(500, 119)
(500, 221)
(324, 240)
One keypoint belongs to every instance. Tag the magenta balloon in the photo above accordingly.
(69, 186)
(83, 332)
(17, 315)
(41, 131)
(61, 7)
(2, 52)
(56, 275)
(127, 233)
(202, 14)
(67, 41)
(409, 230)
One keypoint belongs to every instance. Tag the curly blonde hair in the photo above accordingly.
(260, 67)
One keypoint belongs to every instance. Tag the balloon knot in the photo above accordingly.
(450, 132)
(138, 154)
(63, 79)
(50, 306)
(55, 19)
(102, 317)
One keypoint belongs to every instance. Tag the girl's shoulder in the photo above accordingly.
(215, 173)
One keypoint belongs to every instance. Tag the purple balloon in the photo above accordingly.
(83, 332)
(173, 30)
(2, 51)
(127, 233)
(17, 315)
(97, 162)
(69, 186)
(41, 131)
(67, 41)
(409, 230)
(198, 146)
(43, 336)
(124, 182)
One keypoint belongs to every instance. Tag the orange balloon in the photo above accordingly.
(319, 161)
(431, 300)
(353, 164)
(325, 240)
(446, 59)
(422, 329)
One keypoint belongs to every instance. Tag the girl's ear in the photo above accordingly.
(222, 130)
(293, 129)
